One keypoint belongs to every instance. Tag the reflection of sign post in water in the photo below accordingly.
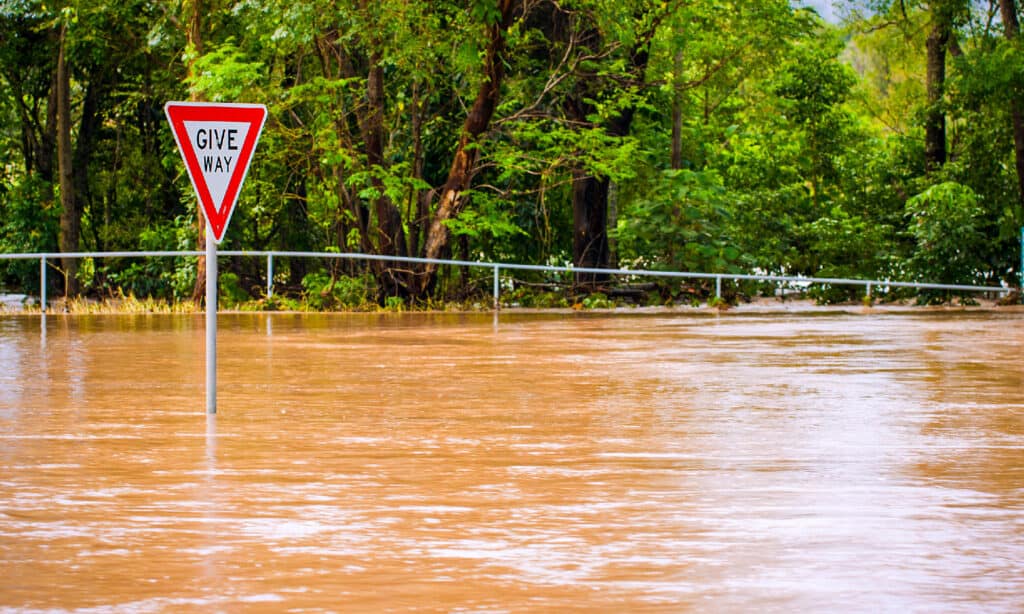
(216, 142)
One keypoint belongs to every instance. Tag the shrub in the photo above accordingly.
(946, 222)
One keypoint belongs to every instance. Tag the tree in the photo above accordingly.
(715, 135)
(70, 217)
(940, 37)
(452, 194)
(1011, 27)
(193, 11)
(27, 69)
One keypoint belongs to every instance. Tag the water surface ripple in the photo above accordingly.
(599, 463)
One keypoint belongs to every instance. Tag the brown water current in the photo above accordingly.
(534, 463)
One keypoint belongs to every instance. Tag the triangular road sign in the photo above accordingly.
(216, 142)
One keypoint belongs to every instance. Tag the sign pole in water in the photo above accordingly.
(216, 142)
(211, 323)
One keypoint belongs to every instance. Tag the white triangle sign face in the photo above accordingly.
(216, 142)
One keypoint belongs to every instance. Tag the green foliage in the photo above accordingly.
(678, 226)
(994, 76)
(147, 278)
(531, 298)
(226, 74)
(847, 246)
(317, 289)
(489, 219)
(597, 300)
(29, 223)
(162, 278)
(230, 290)
(716, 302)
(813, 82)
(277, 302)
(945, 220)
(323, 291)
(354, 291)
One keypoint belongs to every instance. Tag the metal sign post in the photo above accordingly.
(211, 323)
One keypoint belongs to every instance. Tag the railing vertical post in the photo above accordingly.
(42, 284)
(270, 275)
(718, 286)
(497, 287)
(868, 292)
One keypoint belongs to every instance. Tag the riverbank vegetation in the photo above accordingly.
(717, 137)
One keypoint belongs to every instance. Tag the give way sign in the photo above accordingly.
(216, 142)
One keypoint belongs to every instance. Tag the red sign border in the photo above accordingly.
(180, 112)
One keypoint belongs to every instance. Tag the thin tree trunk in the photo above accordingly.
(194, 42)
(70, 220)
(590, 192)
(677, 112)
(337, 65)
(298, 218)
(1018, 147)
(390, 234)
(935, 116)
(590, 224)
(1011, 24)
(419, 205)
(466, 153)
(88, 132)
(613, 223)
(37, 141)
(294, 233)
(48, 140)
(389, 218)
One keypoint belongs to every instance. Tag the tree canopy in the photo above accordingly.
(721, 136)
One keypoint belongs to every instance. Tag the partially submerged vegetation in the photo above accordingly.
(321, 292)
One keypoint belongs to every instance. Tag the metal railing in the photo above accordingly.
(497, 267)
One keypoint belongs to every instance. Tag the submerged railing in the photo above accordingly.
(497, 267)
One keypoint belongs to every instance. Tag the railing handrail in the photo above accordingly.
(498, 266)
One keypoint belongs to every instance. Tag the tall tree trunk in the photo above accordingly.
(336, 64)
(47, 144)
(38, 140)
(590, 224)
(1011, 24)
(389, 219)
(676, 161)
(590, 192)
(194, 44)
(85, 141)
(294, 232)
(70, 219)
(935, 116)
(452, 194)
(419, 200)
(390, 233)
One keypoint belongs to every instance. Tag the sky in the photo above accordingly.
(824, 8)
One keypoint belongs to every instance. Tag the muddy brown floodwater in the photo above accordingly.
(597, 463)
